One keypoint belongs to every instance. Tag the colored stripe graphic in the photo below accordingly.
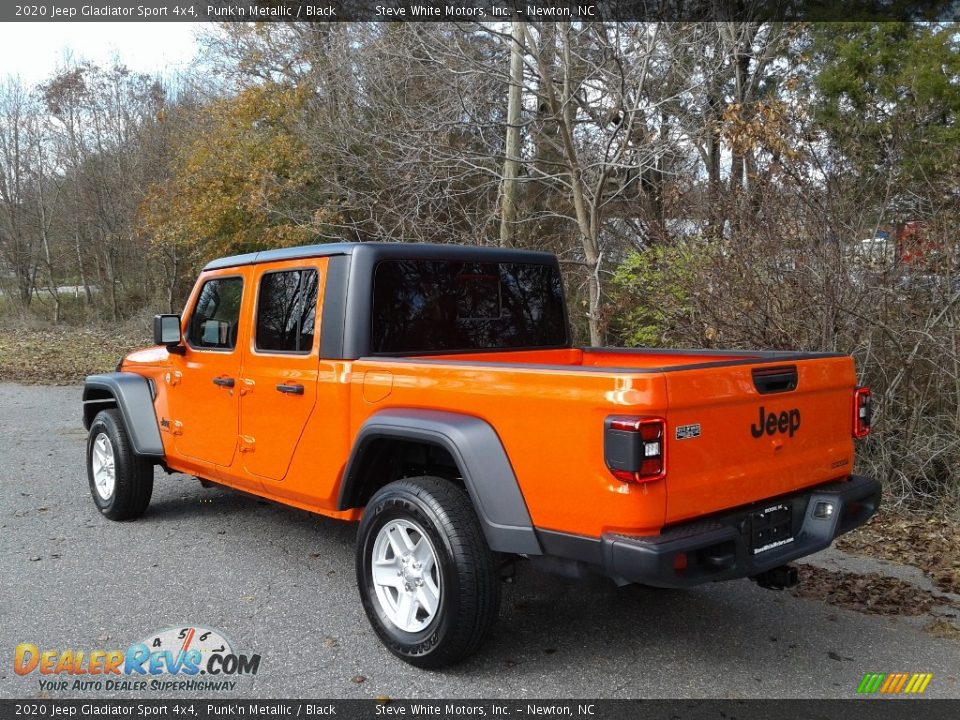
(894, 683)
(865, 683)
(889, 683)
(870, 683)
(900, 682)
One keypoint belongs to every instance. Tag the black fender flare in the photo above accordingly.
(132, 395)
(480, 456)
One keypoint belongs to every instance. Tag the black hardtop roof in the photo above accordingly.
(388, 250)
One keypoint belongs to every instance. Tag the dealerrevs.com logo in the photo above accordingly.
(188, 657)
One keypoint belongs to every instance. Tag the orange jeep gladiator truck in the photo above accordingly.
(432, 392)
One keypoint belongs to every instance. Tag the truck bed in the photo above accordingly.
(548, 406)
(635, 359)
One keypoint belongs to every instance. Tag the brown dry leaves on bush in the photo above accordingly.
(872, 593)
(928, 542)
(60, 356)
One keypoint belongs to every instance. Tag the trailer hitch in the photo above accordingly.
(778, 578)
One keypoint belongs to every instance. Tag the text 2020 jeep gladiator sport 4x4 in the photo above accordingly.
(432, 393)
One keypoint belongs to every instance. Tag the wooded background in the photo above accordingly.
(705, 185)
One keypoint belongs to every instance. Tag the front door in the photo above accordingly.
(279, 375)
(204, 402)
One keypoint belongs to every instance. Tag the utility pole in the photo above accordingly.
(511, 163)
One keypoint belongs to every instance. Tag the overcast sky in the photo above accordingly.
(34, 50)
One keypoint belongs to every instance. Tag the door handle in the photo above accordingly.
(223, 381)
(290, 389)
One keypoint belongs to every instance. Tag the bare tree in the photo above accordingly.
(46, 191)
(96, 118)
(18, 244)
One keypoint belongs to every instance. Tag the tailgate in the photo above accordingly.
(763, 431)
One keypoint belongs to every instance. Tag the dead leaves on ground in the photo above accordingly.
(60, 355)
(928, 542)
(872, 593)
(943, 628)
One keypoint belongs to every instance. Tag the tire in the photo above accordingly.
(463, 573)
(129, 494)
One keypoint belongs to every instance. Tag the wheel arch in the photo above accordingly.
(132, 396)
(477, 455)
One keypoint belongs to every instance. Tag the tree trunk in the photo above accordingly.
(511, 163)
(112, 278)
(597, 338)
(585, 207)
(52, 285)
(83, 275)
(172, 279)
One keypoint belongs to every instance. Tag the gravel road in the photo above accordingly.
(280, 582)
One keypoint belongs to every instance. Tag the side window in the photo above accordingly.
(216, 316)
(287, 311)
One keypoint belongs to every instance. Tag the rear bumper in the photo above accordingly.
(718, 548)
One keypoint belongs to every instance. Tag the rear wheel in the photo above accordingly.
(427, 579)
(121, 482)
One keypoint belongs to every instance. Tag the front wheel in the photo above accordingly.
(427, 579)
(121, 481)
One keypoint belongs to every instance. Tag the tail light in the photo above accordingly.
(862, 412)
(635, 448)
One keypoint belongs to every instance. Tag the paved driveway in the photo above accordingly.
(280, 582)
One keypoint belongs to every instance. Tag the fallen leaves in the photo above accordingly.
(928, 542)
(60, 355)
(872, 593)
(943, 628)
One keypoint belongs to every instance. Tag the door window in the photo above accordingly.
(216, 316)
(287, 311)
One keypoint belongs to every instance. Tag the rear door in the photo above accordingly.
(278, 386)
(738, 434)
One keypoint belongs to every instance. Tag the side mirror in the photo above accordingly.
(166, 330)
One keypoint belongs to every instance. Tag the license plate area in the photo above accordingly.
(771, 528)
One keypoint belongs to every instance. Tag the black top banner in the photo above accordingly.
(480, 10)
(502, 709)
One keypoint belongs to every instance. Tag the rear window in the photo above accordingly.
(447, 306)
(287, 311)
